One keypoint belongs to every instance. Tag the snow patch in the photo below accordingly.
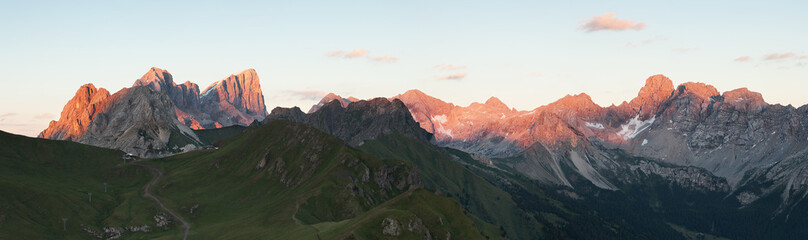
(634, 127)
(446, 132)
(644, 141)
(440, 118)
(206, 93)
(594, 125)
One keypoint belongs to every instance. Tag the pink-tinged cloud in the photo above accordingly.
(683, 50)
(304, 95)
(356, 53)
(779, 56)
(335, 53)
(385, 58)
(607, 21)
(743, 59)
(45, 116)
(454, 76)
(449, 67)
(349, 54)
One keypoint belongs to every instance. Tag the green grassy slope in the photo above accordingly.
(43, 181)
(287, 180)
(213, 136)
(439, 171)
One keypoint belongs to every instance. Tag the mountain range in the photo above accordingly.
(675, 162)
(734, 135)
(156, 117)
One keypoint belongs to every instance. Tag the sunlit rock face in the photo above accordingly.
(77, 114)
(140, 121)
(733, 135)
(235, 100)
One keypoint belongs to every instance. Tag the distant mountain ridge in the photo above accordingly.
(734, 135)
(155, 117)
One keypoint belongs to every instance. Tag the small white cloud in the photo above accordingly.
(7, 115)
(683, 50)
(454, 76)
(384, 58)
(743, 59)
(449, 67)
(348, 54)
(607, 21)
(535, 74)
(779, 56)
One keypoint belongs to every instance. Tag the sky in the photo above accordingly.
(527, 53)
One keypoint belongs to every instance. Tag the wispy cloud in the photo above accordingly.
(645, 42)
(454, 76)
(5, 116)
(535, 74)
(607, 21)
(779, 56)
(743, 59)
(361, 53)
(449, 67)
(683, 50)
(348, 54)
(44, 116)
(304, 95)
(385, 58)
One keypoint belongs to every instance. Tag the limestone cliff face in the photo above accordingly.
(135, 119)
(77, 114)
(140, 121)
(236, 99)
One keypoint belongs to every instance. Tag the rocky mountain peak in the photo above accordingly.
(745, 99)
(657, 89)
(238, 94)
(77, 113)
(416, 98)
(343, 102)
(700, 90)
(494, 102)
(359, 121)
(577, 101)
(141, 121)
(157, 79)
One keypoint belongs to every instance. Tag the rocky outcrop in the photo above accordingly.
(731, 135)
(77, 114)
(134, 120)
(359, 121)
(331, 97)
(140, 121)
(236, 99)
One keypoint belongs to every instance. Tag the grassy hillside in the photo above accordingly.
(287, 180)
(214, 136)
(43, 181)
(440, 172)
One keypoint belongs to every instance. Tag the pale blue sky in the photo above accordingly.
(527, 53)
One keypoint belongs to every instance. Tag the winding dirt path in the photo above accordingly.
(186, 227)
